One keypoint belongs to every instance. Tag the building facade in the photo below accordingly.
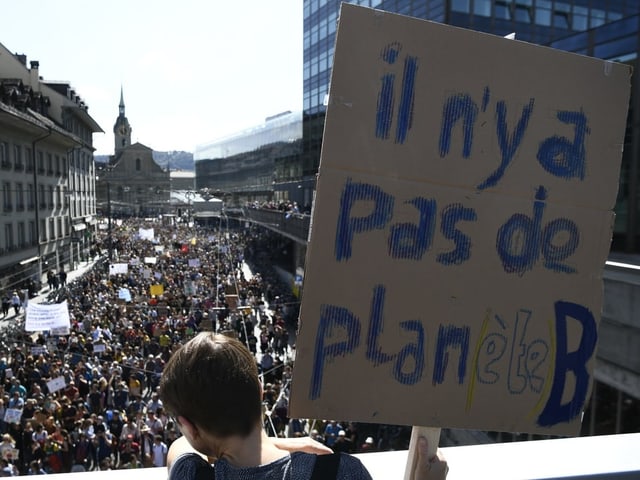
(46, 174)
(131, 183)
(254, 165)
(591, 27)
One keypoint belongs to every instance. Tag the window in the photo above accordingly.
(60, 232)
(8, 236)
(4, 155)
(458, 6)
(138, 164)
(482, 7)
(522, 14)
(19, 198)
(6, 197)
(17, 157)
(21, 237)
(32, 232)
(31, 197)
(40, 162)
(43, 230)
(597, 17)
(51, 204)
(28, 157)
(502, 10)
(49, 164)
(52, 229)
(57, 164)
(41, 200)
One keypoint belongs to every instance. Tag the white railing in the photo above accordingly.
(606, 456)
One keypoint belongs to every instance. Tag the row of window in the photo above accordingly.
(19, 158)
(21, 235)
(23, 196)
(556, 14)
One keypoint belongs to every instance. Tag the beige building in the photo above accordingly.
(47, 208)
(132, 183)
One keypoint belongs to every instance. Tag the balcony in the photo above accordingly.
(292, 225)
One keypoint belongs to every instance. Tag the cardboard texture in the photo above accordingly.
(460, 228)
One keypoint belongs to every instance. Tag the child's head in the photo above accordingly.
(213, 382)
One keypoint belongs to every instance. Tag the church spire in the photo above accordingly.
(121, 106)
(122, 129)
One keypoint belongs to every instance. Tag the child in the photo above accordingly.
(211, 387)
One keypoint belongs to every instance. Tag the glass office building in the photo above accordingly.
(602, 28)
(243, 164)
(618, 41)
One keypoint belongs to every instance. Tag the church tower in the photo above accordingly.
(121, 129)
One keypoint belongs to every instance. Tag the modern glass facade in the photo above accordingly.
(619, 41)
(244, 164)
(606, 29)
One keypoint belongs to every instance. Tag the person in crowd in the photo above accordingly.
(159, 452)
(16, 302)
(228, 428)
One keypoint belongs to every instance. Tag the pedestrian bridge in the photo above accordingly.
(608, 456)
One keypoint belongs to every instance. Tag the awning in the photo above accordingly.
(78, 227)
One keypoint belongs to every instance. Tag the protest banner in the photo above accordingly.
(118, 268)
(194, 262)
(12, 415)
(99, 347)
(146, 274)
(38, 350)
(124, 294)
(460, 228)
(157, 289)
(56, 384)
(60, 331)
(41, 317)
(150, 260)
(146, 233)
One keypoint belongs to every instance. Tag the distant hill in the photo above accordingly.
(176, 160)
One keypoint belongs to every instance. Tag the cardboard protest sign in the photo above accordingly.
(146, 233)
(60, 331)
(12, 415)
(460, 228)
(10, 453)
(156, 289)
(150, 260)
(118, 268)
(56, 384)
(41, 317)
(194, 262)
(38, 350)
(124, 294)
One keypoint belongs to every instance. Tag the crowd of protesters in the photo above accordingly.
(125, 324)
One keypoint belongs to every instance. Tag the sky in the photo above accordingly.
(192, 71)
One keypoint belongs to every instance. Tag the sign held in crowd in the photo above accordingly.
(460, 230)
(41, 317)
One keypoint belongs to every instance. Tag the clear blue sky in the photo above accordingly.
(192, 70)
